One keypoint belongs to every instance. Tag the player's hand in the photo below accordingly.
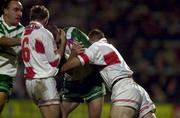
(77, 48)
(61, 35)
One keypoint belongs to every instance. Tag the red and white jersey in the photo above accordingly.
(38, 52)
(106, 55)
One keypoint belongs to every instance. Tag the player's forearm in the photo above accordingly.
(70, 64)
(62, 43)
(4, 41)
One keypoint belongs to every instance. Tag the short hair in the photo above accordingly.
(96, 34)
(39, 12)
(5, 5)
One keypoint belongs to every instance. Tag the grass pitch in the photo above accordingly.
(26, 109)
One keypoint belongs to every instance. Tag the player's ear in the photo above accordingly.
(46, 21)
(5, 11)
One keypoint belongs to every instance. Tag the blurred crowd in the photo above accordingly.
(146, 32)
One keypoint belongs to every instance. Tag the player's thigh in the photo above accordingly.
(147, 107)
(123, 112)
(96, 103)
(95, 100)
(95, 107)
(6, 84)
(149, 115)
(50, 111)
(3, 98)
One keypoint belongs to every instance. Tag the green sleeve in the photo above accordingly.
(19, 36)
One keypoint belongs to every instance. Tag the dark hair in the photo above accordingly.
(39, 12)
(5, 5)
(96, 34)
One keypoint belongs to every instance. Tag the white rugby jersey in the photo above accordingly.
(8, 55)
(38, 52)
(107, 56)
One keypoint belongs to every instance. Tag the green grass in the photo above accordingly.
(20, 109)
(26, 109)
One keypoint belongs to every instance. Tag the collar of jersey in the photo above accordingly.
(7, 26)
(103, 40)
(37, 23)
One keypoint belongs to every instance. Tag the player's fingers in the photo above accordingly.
(78, 48)
(78, 44)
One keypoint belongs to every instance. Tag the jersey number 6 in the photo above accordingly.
(25, 50)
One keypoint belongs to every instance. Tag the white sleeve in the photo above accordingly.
(90, 55)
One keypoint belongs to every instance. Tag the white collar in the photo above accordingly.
(37, 23)
(7, 26)
(103, 40)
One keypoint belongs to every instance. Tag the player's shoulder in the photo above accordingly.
(46, 32)
(70, 29)
(73, 31)
(41, 32)
(95, 45)
(20, 26)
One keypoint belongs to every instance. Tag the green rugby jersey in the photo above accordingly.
(8, 54)
(73, 33)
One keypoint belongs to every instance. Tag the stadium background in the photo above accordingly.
(147, 34)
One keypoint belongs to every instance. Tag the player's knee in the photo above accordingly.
(3, 101)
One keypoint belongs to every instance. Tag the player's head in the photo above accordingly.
(12, 12)
(39, 13)
(95, 35)
(54, 30)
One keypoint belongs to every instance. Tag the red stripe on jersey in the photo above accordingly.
(126, 100)
(146, 107)
(39, 47)
(85, 58)
(54, 63)
(111, 58)
(29, 72)
(28, 31)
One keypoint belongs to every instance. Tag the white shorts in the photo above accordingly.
(43, 91)
(126, 92)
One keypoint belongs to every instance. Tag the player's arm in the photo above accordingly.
(73, 60)
(62, 43)
(70, 64)
(5, 41)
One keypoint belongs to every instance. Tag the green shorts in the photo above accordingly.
(84, 90)
(6, 84)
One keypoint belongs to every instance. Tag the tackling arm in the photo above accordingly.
(4, 41)
(70, 64)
